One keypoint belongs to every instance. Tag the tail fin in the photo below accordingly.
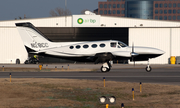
(32, 38)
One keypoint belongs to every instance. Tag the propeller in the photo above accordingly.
(133, 54)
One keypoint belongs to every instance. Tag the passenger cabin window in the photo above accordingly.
(71, 47)
(78, 46)
(93, 45)
(113, 44)
(121, 44)
(102, 45)
(85, 46)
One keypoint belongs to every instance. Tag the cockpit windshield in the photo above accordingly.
(122, 44)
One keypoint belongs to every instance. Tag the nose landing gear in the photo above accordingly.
(148, 68)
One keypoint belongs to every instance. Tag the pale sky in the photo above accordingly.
(11, 9)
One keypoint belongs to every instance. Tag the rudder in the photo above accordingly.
(32, 38)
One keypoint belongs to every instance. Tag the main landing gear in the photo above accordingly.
(148, 67)
(106, 67)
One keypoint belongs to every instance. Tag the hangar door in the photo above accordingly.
(71, 34)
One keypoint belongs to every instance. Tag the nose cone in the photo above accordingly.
(148, 51)
(153, 51)
(158, 51)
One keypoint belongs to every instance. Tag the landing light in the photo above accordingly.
(112, 99)
(102, 99)
(107, 100)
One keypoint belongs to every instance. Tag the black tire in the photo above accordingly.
(17, 61)
(26, 62)
(104, 69)
(148, 69)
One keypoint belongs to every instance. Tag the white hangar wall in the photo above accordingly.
(175, 42)
(166, 39)
(11, 45)
(107, 21)
(164, 35)
(152, 37)
(41, 22)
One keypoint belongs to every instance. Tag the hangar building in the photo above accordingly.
(164, 35)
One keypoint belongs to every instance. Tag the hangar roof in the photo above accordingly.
(104, 21)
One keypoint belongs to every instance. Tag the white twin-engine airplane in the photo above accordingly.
(93, 51)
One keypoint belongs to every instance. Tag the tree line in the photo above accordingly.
(61, 12)
(56, 12)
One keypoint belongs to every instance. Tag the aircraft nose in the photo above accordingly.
(158, 51)
(155, 51)
(148, 50)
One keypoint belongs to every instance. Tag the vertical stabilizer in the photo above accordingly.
(31, 37)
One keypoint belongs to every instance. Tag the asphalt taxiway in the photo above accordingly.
(162, 74)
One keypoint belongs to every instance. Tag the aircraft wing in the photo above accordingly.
(122, 53)
(101, 57)
(108, 56)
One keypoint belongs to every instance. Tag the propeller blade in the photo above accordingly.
(133, 54)
(133, 47)
(132, 58)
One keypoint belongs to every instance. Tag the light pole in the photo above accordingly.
(65, 12)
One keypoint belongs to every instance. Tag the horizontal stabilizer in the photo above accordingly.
(37, 52)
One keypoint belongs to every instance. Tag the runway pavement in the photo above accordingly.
(88, 66)
(163, 74)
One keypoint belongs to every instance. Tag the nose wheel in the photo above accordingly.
(148, 68)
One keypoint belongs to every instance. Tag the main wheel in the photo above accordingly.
(104, 69)
(17, 61)
(148, 68)
(26, 62)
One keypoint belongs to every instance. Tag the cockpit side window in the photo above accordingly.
(113, 44)
(122, 44)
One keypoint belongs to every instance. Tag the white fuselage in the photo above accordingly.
(79, 49)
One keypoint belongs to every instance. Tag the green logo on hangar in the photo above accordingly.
(80, 20)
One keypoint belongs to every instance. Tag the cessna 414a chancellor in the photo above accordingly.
(95, 51)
